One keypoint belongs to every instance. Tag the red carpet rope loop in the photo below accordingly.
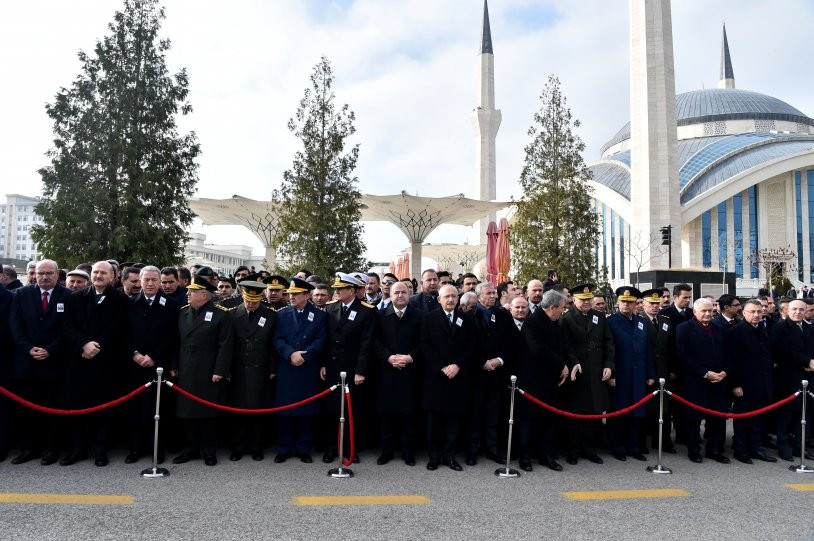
(743, 415)
(56, 411)
(205, 402)
(558, 411)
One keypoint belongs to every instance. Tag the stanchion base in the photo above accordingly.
(507, 473)
(340, 473)
(801, 468)
(658, 468)
(152, 473)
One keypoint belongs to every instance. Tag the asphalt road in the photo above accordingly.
(250, 500)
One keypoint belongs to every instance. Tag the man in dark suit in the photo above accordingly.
(351, 325)
(397, 353)
(704, 369)
(427, 299)
(299, 338)
(8, 277)
(153, 321)
(539, 359)
(679, 311)
(729, 311)
(662, 341)
(6, 352)
(171, 285)
(589, 343)
(253, 367)
(447, 346)
(489, 375)
(793, 353)
(750, 359)
(97, 348)
(37, 313)
(204, 360)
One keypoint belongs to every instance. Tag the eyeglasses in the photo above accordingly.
(49, 273)
(389, 282)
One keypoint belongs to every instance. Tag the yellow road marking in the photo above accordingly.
(804, 487)
(361, 500)
(76, 499)
(626, 494)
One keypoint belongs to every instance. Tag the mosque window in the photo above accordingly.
(596, 251)
(613, 243)
(622, 247)
(798, 205)
(753, 231)
(737, 208)
(706, 239)
(604, 236)
(722, 255)
(810, 179)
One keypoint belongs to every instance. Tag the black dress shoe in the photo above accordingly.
(550, 463)
(24, 457)
(184, 457)
(572, 459)
(593, 458)
(409, 459)
(695, 457)
(638, 456)
(101, 461)
(384, 458)
(281, 457)
(49, 458)
(525, 464)
(453, 464)
(719, 458)
(305, 457)
(785, 456)
(328, 457)
(620, 456)
(471, 459)
(72, 458)
(671, 450)
(257, 455)
(743, 457)
(235, 456)
(132, 457)
(432, 465)
(760, 455)
(210, 460)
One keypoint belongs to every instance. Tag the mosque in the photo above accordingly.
(734, 177)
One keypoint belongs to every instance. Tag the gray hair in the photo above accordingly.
(148, 268)
(9, 271)
(552, 298)
(698, 302)
(480, 286)
(31, 265)
(466, 297)
(38, 264)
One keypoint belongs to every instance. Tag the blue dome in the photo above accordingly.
(719, 104)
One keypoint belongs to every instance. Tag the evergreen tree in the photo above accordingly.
(320, 205)
(555, 226)
(120, 173)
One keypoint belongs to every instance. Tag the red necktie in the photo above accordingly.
(44, 301)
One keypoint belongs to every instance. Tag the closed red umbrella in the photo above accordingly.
(405, 271)
(392, 268)
(491, 252)
(503, 259)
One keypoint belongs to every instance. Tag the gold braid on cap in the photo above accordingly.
(248, 296)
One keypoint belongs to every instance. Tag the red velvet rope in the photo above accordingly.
(349, 461)
(743, 415)
(44, 409)
(617, 413)
(205, 402)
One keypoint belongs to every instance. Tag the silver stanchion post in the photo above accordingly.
(341, 472)
(155, 471)
(658, 468)
(802, 468)
(507, 471)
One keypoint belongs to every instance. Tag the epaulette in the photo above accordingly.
(365, 303)
(224, 308)
(332, 302)
(185, 306)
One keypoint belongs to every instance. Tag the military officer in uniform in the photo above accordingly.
(351, 325)
(299, 337)
(275, 286)
(204, 360)
(662, 342)
(589, 343)
(253, 367)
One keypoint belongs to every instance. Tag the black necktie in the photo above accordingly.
(344, 310)
(149, 302)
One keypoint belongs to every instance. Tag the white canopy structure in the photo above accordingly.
(417, 217)
(455, 257)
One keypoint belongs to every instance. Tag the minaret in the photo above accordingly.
(654, 164)
(486, 121)
(727, 74)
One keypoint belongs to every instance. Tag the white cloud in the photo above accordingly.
(408, 70)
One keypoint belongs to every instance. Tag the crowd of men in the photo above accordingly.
(428, 364)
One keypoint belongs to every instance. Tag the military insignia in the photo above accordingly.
(333, 301)
(225, 309)
(365, 303)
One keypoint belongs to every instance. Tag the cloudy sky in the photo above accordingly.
(409, 70)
